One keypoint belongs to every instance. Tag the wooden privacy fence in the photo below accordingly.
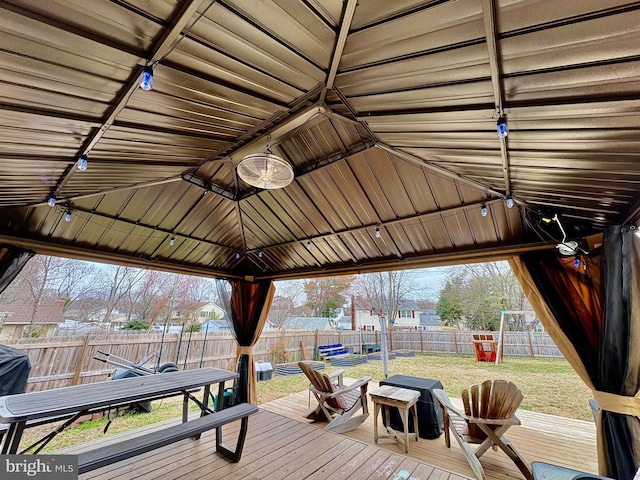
(59, 362)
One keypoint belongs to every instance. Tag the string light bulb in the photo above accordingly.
(83, 162)
(501, 126)
(509, 201)
(377, 232)
(146, 83)
(308, 244)
(484, 210)
(172, 242)
(260, 254)
(52, 201)
(67, 216)
(237, 255)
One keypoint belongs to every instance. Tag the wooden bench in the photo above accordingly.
(132, 447)
(335, 350)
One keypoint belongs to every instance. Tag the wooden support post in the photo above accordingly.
(78, 371)
(530, 343)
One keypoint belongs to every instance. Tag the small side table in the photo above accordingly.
(404, 400)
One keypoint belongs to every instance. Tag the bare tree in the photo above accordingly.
(45, 280)
(117, 283)
(326, 290)
(384, 291)
(149, 296)
(74, 279)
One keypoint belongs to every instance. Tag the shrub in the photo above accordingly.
(136, 325)
(278, 351)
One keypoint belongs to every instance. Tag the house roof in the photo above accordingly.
(194, 306)
(387, 112)
(430, 318)
(45, 314)
(307, 323)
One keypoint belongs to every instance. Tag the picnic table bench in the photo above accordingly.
(78, 400)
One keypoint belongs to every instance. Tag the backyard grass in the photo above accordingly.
(548, 385)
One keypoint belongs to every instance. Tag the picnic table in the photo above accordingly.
(79, 400)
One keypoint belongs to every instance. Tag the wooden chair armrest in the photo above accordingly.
(357, 384)
(337, 373)
(494, 421)
(444, 400)
(342, 389)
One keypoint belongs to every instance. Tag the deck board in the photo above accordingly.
(282, 445)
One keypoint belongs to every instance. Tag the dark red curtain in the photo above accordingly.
(12, 260)
(250, 303)
(594, 304)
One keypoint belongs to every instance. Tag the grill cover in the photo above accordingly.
(14, 370)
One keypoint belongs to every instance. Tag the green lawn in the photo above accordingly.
(549, 386)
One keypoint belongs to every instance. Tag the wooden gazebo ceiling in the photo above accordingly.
(387, 111)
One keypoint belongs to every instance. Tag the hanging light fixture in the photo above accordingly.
(83, 163)
(484, 210)
(509, 201)
(503, 129)
(377, 232)
(265, 170)
(67, 216)
(52, 202)
(146, 82)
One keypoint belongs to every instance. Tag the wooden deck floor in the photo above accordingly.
(277, 448)
(281, 444)
(558, 440)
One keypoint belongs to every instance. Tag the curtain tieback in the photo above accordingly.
(244, 350)
(618, 403)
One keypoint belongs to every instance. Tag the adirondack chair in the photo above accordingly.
(337, 403)
(489, 411)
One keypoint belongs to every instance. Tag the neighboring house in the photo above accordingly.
(344, 322)
(407, 315)
(196, 313)
(15, 320)
(430, 320)
(221, 325)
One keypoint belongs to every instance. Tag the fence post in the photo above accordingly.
(315, 346)
(530, 343)
(455, 342)
(421, 341)
(78, 370)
